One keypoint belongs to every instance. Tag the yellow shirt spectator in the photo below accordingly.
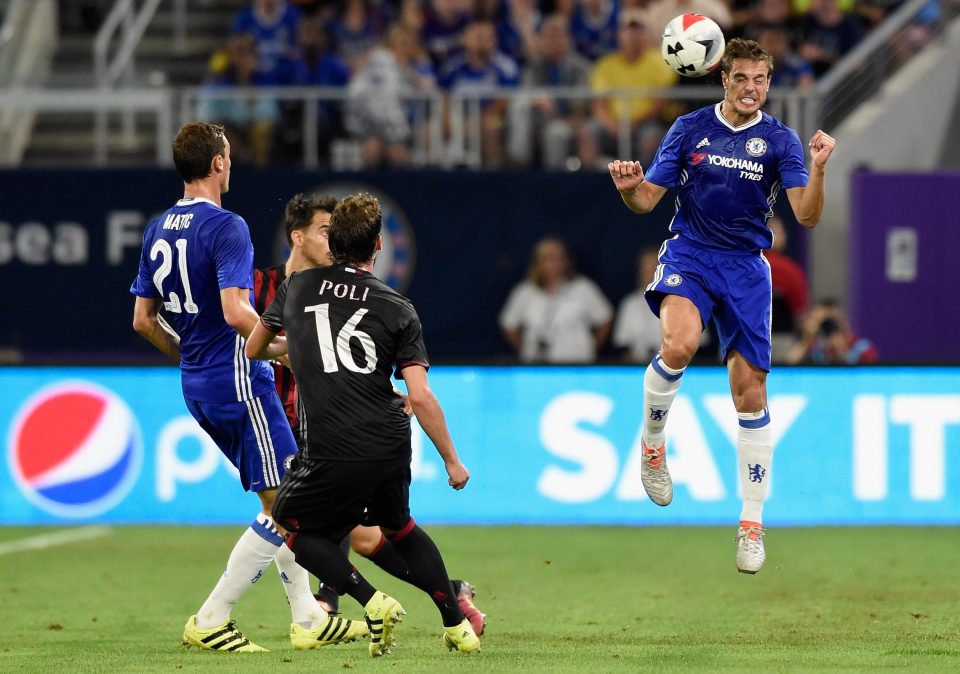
(613, 71)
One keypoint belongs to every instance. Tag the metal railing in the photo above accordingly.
(28, 39)
(11, 36)
(861, 74)
(132, 23)
(152, 101)
(446, 131)
(108, 70)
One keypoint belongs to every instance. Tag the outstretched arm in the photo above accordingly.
(639, 195)
(148, 322)
(807, 202)
(430, 415)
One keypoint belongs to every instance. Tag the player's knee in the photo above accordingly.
(750, 399)
(679, 349)
(365, 541)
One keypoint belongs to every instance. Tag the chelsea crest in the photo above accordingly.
(756, 147)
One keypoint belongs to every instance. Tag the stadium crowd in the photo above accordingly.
(384, 57)
(559, 315)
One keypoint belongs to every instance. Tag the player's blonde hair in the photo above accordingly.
(738, 48)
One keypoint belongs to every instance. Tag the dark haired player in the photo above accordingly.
(306, 223)
(306, 220)
(727, 162)
(197, 265)
(346, 332)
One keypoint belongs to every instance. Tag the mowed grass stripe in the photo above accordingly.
(560, 599)
(52, 539)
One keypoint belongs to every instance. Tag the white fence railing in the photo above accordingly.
(158, 103)
(28, 39)
(862, 72)
(445, 131)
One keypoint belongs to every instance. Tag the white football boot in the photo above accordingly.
(750, 553)
(655, 476)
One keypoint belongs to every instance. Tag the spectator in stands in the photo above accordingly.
(636, 333)
(310, 7)
(317, 65)
(915, 35)
(790, 70)
(826, 35)
(767, 13)
(443, 29)
(556, 120)
(659, 14)
(636, 65)
(273, 26)
(594, 27)
(517, 29)
(801, 7)
(828, 340)
(481, 69)
(355, 30)
(556, 315)
(564, 7)
(377, 113)
(412, 15)
(248, 121)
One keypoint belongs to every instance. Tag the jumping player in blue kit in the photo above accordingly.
(727, 162)
(197, 266)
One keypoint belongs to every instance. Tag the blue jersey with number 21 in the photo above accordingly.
(727, 177)
(190, 253)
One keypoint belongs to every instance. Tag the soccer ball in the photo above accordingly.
(692, 45)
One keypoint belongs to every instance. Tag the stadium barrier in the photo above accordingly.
(551, 445)
(454, 242)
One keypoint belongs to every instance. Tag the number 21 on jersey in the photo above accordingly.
(163, 249)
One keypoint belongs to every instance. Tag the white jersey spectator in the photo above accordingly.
(555, 316)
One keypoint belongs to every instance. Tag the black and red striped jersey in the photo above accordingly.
(265, 284)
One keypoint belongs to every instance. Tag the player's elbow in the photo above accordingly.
(233, 317)
(810, 221)
(421, 399)
(142, 325)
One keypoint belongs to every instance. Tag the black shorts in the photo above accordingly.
(332, 497)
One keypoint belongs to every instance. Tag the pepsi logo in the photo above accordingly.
(75, 449)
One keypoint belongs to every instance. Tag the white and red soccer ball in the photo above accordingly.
(692, 45)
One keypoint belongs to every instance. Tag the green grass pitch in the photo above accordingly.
(561, 599)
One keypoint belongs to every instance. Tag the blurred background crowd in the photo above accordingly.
(383, 62)
(533, 98)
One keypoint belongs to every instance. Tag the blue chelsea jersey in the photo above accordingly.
(727, 177)
(190, 253)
